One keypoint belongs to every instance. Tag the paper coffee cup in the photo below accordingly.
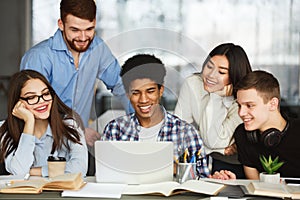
(56, 166)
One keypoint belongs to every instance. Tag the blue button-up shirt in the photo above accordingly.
(75, 87)
(34, 152)
(182, 134)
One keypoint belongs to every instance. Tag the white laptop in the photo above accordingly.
(133, 162)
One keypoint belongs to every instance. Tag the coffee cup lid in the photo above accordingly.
(56, 158)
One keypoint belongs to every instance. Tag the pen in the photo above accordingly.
(193, 159)
(199, 152)
(180, 154)
(185, 155)
(176, 160)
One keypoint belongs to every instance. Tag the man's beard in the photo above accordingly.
(79, 49)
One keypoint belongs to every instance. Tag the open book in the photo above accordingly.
(273, 190)
(35, 186)
(171, 187)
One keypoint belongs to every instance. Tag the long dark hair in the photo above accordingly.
(12, 128)
(239, 64)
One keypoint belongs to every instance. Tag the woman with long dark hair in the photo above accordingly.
(207, 100)
(39, 125)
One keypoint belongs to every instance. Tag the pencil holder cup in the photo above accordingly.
(56, 166)
(185, 171)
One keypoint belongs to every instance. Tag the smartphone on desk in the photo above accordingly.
(292, 181)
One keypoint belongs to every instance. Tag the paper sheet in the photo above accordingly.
(102, 190)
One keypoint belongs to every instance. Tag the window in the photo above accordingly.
(181, 32)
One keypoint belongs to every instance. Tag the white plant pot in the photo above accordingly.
(269, 178)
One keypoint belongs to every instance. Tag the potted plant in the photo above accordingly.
(270, 166)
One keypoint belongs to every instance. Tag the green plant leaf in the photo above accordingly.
(276, 160)
(269, 165)
(270, 160)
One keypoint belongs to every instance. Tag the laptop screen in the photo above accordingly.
(133, 162)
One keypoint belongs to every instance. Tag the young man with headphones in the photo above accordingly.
(265, 130)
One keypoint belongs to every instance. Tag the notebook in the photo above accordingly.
(133, 162)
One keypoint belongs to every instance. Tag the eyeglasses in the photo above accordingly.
(32, 100)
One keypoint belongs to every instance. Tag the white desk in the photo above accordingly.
(57, 195)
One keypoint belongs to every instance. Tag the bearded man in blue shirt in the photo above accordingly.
(74, 58)
(143, 79)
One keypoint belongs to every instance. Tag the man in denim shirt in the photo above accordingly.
(143, 79)
(74, 58)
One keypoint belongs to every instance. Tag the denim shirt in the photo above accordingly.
(34, 152)
(75, 87)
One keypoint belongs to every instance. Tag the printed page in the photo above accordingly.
(5, 180)
(164, 188)
(65, 178)
(172, 187)
(97, 190)
(230, 182)
(31, 186)
(202, 187)
(65, 181)
(268, 189)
